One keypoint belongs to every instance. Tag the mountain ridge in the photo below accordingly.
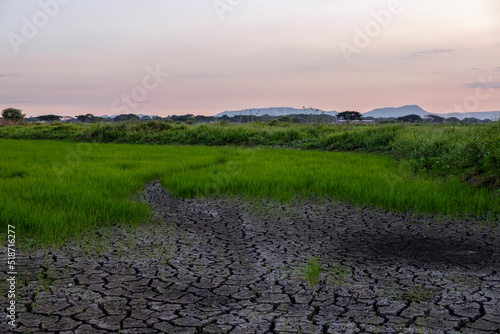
(275, 111)
(388, 112)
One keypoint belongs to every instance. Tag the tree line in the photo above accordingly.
(16, 115)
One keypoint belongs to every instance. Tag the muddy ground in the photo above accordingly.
(231, 266)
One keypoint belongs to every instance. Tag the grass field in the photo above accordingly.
(51, 190)
(470, 152)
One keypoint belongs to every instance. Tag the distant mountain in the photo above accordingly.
(493, 115)
(416, 110)
(283, 111)
(397, 112)
(376, 113)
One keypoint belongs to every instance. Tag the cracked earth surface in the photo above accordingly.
(221, 266)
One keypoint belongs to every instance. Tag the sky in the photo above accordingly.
(164, 57)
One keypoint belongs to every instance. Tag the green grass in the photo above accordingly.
(470, 152)
(312, 271)
(51, 190)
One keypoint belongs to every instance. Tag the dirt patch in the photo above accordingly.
(220, 266)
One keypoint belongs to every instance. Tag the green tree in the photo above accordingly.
(88, 118)
(410, 118)
(13, 114)
(350, 115)
(470, 120)
(126, 117)
(49, 118)
(435, 119)
(452, 120)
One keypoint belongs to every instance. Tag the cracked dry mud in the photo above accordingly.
(221, 266)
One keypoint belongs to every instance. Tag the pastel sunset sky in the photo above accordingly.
(107, 57)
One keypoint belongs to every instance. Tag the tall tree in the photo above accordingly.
(452, 120)
(13, 114)
(350, 115)
(126, 117)
(470, 120)
(410, 118)
(435, 118)
(88, 118)
(49, 118)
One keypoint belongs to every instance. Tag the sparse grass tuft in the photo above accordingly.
(339, 273)
(418, 293)
(312, 271)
